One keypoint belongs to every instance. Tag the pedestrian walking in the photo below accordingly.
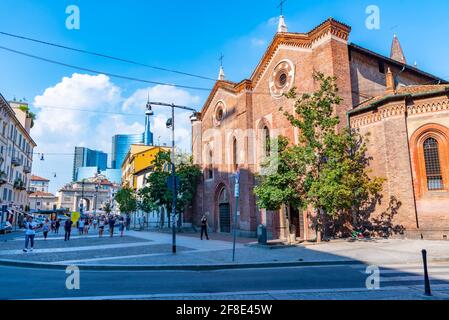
(204, 227)
(53, 226)
(111, 226)
(128, 221)
(46, 228)
(68, 229)
(57, 226)
(81, 226)
(87, 226)
(30, 233)
(121, 226)
(101, 225)
(94, 223)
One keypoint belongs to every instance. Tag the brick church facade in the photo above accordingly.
(405, 110)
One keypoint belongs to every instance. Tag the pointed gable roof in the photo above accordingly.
(396, 51)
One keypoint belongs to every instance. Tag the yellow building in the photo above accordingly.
(138, 165)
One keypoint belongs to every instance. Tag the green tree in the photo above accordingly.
(277, 190)
(107, 208)
(29, 114)
(330, 165)
(157, 193)
(126, 199)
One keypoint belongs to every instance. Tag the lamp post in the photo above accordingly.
(96, 199)
(82, 197)
(171, 124)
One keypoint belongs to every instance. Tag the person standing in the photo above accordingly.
(101, 225)
(81, 226)
(46, 228)
(68, 229)
(57, 226)
(121, 226)
(111, 226)
(128, 221)
(30, 233)
(204, 227)
(94, 223)
(87, 226)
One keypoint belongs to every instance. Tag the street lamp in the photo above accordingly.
(171, 124)
(82, 197)
(96, 199)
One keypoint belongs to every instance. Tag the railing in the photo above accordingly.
(26, 169)
(19, 185)
(3, 178)
(16, 162)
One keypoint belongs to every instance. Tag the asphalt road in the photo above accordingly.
(25, 283)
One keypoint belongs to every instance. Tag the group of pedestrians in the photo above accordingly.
(83, 226)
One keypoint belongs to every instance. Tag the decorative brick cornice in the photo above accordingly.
(385, 112)
(428, 107)
(377, 115)
(301, 40)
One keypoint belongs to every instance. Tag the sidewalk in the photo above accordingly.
(406, 293)
(142, 249)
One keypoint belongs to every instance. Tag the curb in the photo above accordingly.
(43, 265)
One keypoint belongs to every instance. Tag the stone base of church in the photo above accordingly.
(427, 234)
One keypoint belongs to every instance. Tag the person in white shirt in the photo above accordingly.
(30, 233)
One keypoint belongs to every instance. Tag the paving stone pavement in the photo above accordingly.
(153, 248)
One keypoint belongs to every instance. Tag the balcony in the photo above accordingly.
(27, 169)
(15, 161)
(19, 185)
(3, 178)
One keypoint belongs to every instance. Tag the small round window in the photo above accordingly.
(282, 79)
(219, 114)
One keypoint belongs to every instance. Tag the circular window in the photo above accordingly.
(282, 78)
(219, 113)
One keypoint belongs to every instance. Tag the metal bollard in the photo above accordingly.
(427, 290)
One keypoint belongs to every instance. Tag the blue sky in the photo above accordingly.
(184, 35)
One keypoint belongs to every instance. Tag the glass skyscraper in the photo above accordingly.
(121, 143)
(85, 157)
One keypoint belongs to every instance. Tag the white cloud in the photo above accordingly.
(167, 94)
(59, 131)
(256, 42)
(273, 21)
(159, 93)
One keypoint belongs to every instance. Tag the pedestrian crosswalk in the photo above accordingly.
(408, 274)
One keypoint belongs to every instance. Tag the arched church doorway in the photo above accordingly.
(224, 211)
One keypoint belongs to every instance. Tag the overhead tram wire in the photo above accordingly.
(86, 110)
(105, 56)
(113, 75)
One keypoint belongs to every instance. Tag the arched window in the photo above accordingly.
(266, 141)
(433, 165)
(234, 155)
